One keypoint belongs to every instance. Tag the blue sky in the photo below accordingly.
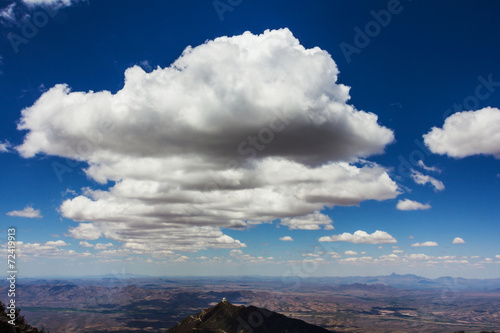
(149, 204)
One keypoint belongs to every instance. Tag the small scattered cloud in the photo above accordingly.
(425, 244)
(397, 251)
(312, 221)
(313, 255)
(57, 243)
(497, 256)
(14, 13)
(421, 164)
(362, 237)
(28, 212)
(101, 246)
(5, 147)
(86, 244)
(422, 179)
(458, 240)
(408, 204)
(50, 3)
(410, 237)
(351, 253)
(146, 65)
(240, 255)
(286, 239)
(419, 256)
(389, 257)
(356, 260)
(334, 255)
(7, 15)
(467, 133)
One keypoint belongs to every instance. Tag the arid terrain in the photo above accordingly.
(364, 305)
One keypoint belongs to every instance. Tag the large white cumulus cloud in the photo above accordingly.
(467, 133)
(240, 130)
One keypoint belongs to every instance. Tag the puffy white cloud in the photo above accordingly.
(497, 256)
(467, 133)
(458, 240)
(28, 212)
(86, 244)
(422, 179)
(286, 239)
(237, 131)
(425, 244)
(360, 236)
(408, 204)
(397, 251)
(351, 253)
(421, 164)
(312, 221)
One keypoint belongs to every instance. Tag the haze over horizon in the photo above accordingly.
(192, 139)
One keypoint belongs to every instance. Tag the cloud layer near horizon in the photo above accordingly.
(240, 130)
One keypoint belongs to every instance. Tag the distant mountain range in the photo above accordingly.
(407, 281)
(226, 317)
